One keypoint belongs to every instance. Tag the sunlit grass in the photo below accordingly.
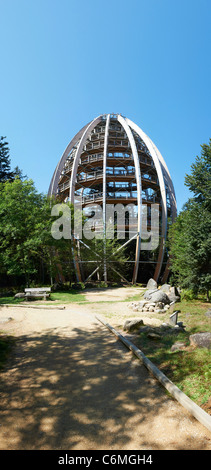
(67, 297)
(10, 300)
(190, 368)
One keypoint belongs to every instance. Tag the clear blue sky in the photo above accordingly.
(63, 62)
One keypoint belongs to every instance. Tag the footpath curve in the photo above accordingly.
(69, 384)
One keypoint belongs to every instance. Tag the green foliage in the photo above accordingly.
(29, 254)
(190, 235)
(22, 229)
(5, 170)
(189, 368)
(188, 294)
(9, 300)
(6, 174)
(199, 181)
(190, 248)
(61, 250)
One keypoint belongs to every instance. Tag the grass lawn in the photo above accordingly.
(9, 300)
(190, 368)
(69, 296)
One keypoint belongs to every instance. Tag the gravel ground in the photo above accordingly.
(69, 384)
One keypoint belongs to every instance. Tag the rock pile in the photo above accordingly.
(137, 326)
(161, 300)
(156, 299)
(148, 306)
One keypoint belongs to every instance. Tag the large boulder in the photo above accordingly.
(131, 325)
(174, 291)
(152, 284)
(173, 298)
(20, 295)
(201, 340)
(165, 288)
(157, 296)
(149, 292)
(173, 294)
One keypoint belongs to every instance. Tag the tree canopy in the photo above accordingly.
(199, 181)
(21, 226)
(190, 235)
(5, 167)
(6, 174)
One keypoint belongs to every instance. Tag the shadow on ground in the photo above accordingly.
(78, 392)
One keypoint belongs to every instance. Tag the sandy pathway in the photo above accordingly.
(70, 385)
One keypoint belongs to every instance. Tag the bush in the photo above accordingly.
(188, 294)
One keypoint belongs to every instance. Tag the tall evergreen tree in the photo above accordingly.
(190, 236)
(5, 168)
(199, 181)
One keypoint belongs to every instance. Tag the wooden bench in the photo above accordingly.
(37, 292)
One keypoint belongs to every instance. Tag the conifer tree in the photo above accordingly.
(190, 235)
(5, 168)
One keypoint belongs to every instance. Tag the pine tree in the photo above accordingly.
(190, 236)
(5, 168)
(199, 181)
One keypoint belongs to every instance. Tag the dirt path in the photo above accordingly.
(70, 385)
(113, 294)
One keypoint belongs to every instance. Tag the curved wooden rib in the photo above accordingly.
(131, 139)
(158, 168)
